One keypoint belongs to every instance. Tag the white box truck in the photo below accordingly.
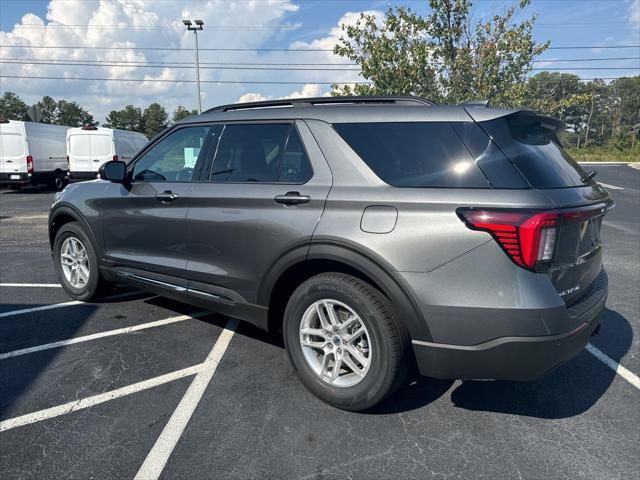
(89, 147)
(32, 153)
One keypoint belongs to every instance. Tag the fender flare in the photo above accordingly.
(363, 260)
(72, 212)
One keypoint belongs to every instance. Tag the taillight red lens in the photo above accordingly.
(29, 164)
(68, 163)
(527, 237)
(115, 158)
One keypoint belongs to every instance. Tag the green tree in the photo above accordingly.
(129, 118)
(154, 119)
(12, 107)
(181, 113)
(445, 56)
(48, 109)
(72, 114)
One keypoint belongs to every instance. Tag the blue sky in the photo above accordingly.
(307, 24)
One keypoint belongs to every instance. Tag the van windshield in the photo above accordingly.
(11, 145)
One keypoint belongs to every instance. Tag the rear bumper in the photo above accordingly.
(516, 358)
(22, 179)
(75, 176)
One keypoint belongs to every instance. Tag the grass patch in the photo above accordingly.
(604, 154)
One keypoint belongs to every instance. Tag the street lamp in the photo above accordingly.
(199, 26)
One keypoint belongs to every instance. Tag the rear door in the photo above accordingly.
(79, 153)
(262, 198)
(102, 150)
(13, 150)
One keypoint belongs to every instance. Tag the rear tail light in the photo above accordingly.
(29, 164)
(527, 237)
(68, 163)
(115, 158)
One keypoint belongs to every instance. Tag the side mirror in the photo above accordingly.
(114, 171)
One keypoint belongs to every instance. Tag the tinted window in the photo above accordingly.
(174, 158)
(533, 147)
(295, 166)
(500, 172)
(250, 153)
(416, 154)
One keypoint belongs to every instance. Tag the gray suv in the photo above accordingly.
(376, 233)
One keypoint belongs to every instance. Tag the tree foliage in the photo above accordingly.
(154, 120)
(129, 118)
(445, 56)
(12, 107)
(180, 113)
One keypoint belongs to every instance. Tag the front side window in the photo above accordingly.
(174, 158)
(250, 153)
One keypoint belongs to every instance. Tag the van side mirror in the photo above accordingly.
(114, 171)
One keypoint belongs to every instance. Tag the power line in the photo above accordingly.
(162, 80)
(20, 62)
(265, 49)
(60, 61)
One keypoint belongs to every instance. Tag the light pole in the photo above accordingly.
(199, 26)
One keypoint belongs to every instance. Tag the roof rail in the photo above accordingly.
(308, 102)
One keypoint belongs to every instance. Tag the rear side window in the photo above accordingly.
(533, 147)
(414, 154)
(268, 153)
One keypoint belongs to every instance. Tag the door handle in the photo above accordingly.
(167, 196)
(292, 198)
(96, 161)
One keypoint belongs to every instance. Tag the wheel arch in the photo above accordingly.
(332, 256)
(66, 214)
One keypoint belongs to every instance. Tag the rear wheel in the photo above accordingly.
(344, 341)
(77, 264)
(59, 181)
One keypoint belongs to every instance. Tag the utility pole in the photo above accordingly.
(191, 28)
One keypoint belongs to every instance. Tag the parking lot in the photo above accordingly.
(141, 385)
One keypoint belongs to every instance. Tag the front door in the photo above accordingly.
(262, 198)
(143, 221)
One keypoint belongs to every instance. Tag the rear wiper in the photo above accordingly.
(588, 175)
(226, 170)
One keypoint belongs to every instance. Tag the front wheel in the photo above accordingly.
(344, 341)
(77, 264)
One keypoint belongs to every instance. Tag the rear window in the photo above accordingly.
(12, 145)
(79, 145)
(101, 146)
(414, 154)
(533, 147)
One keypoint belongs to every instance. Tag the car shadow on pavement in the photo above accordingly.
(570, 390)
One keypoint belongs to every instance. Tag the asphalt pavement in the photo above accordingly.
(138, 384)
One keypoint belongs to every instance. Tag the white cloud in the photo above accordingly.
(160, 26)
(308, 90)
(634, 12)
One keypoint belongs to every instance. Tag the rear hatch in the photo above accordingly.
(569, 246)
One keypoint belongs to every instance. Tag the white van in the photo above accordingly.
(89, 147)
(32, 153)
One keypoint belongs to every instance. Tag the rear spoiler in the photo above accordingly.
(521, 117)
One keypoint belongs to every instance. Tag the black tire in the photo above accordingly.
(388, 337)
(58, 182)
(96, 286)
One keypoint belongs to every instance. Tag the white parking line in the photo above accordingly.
(632, 378)
(95, 336)
(159, 454)
(97, 399)
(34, 285)
(612, 187)
(193, 393)
(61, 305)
